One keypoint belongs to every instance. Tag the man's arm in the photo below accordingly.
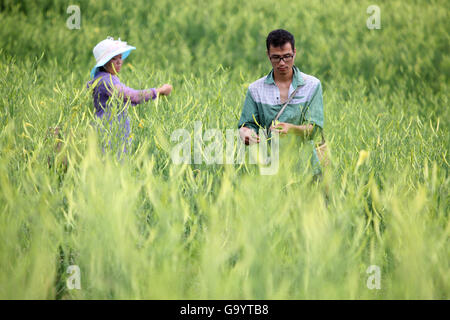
(304, 131)
(314, 113)
(248, 123)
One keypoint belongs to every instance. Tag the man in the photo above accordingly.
(266, 96)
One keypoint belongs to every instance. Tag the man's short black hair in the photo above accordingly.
(277, 38)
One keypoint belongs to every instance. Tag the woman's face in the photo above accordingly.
(113, 66)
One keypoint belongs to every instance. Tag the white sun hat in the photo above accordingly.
(107, 49)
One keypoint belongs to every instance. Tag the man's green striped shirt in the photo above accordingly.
(262, 103)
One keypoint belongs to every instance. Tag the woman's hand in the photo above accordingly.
(164, 89)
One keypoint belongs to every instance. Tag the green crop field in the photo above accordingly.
(144, 227)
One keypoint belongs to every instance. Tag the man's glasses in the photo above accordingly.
(286, 58)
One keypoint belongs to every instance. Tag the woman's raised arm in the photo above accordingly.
(135, 96)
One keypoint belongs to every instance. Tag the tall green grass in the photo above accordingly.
(146, 228)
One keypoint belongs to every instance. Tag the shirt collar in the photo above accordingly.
(297, 79)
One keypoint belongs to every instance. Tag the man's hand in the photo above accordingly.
(248, 136)
(164, 89)
(281, 127)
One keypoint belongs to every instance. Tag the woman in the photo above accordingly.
(109, 55)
